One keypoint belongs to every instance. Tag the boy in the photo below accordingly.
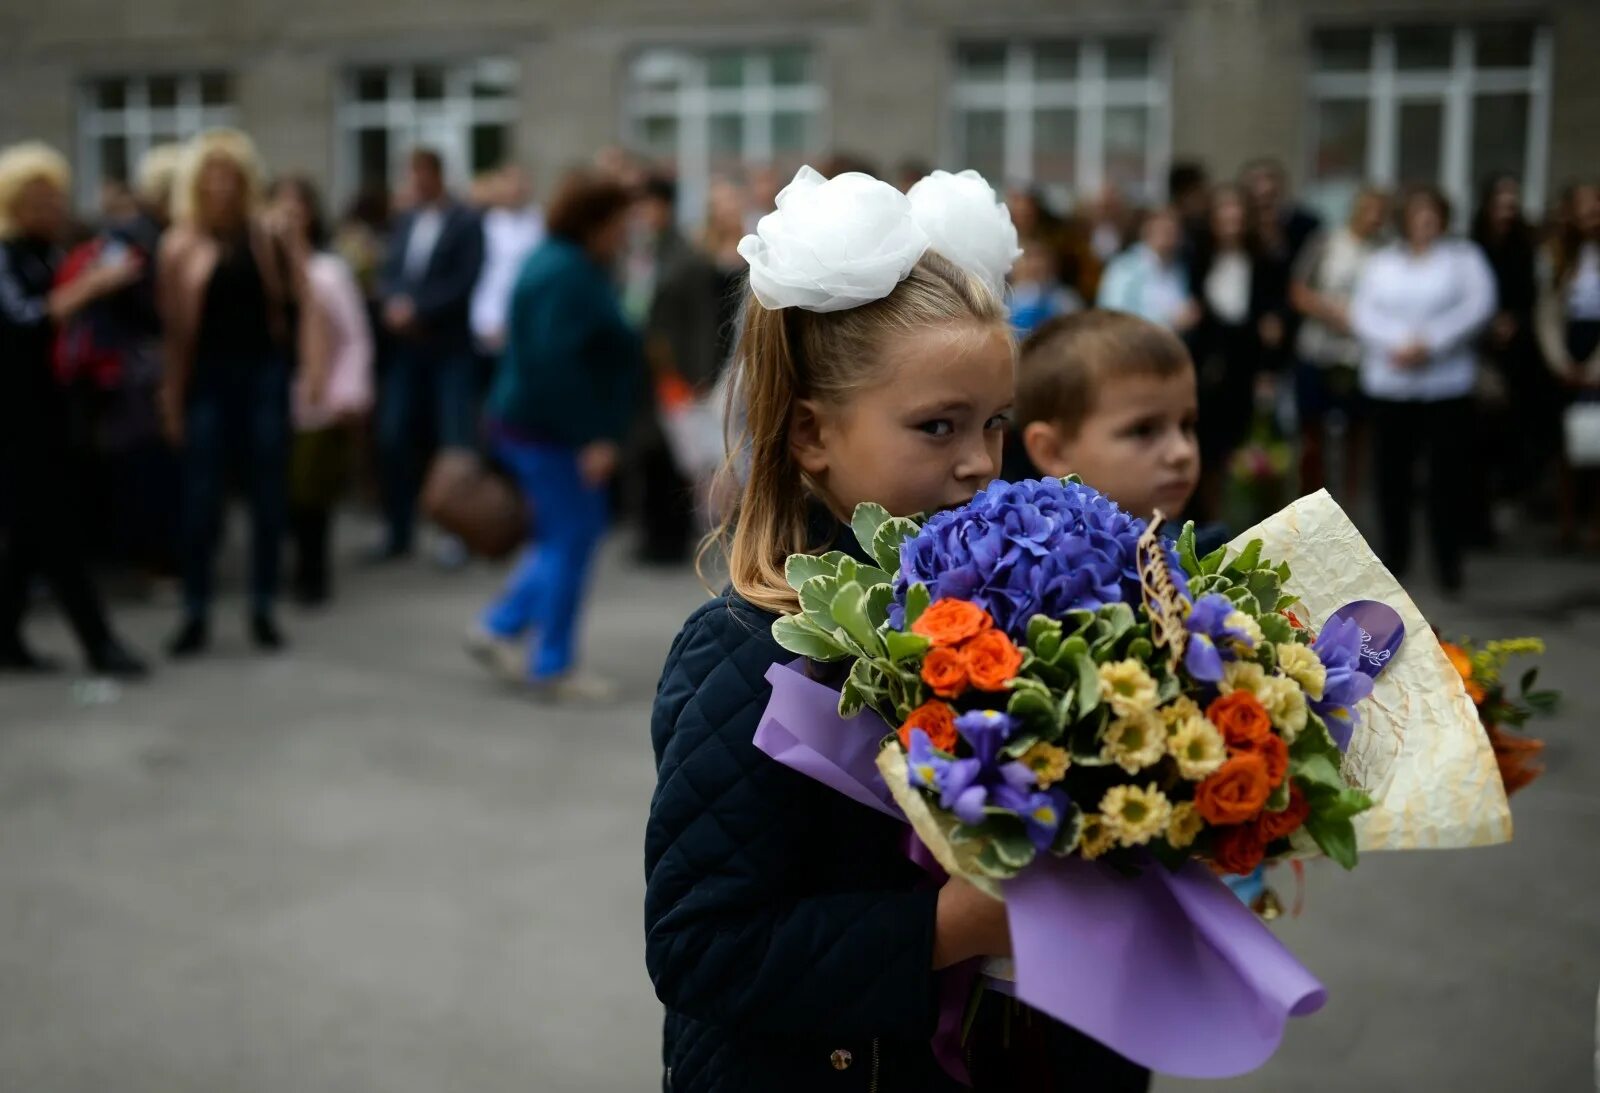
(1111, 398)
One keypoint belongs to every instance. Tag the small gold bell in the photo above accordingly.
(1267, 906)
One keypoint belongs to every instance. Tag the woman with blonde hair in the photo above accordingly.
(43, 531)
(231, 283)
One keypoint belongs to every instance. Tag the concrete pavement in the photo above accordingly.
(362, 867)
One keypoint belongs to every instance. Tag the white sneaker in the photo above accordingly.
(501, 657)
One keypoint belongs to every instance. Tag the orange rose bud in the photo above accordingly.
(1275, 753)
(1476, 692)
(1280, 825)
(1459, 658)
(945, 670)
(992, 660)
(1237, 849)
(1241, 718)
(936, 719)
(1236, 792)
(950, 622)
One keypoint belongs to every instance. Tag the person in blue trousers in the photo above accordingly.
(562, 400)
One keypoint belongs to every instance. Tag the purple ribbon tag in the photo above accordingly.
(1381, 633)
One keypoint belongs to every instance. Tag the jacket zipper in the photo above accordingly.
(872, 1075)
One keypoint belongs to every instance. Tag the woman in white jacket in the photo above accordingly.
(1417, 309)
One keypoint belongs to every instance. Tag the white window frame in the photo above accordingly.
(444, 124)
(1018, 95)
(694, 102)
(1384, 88)
(138, 122)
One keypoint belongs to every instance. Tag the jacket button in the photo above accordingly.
(841, 1059)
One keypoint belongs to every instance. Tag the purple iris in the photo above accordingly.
(954, 780)
(1020, 549)
(985, 730)
(1041, 811)
(1211, 639)
(1339, 649)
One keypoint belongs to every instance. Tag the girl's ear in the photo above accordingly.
(1045, 447)
(805, 438)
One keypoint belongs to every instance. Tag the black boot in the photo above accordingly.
(112, 658)
(265, 633)
(190, 640)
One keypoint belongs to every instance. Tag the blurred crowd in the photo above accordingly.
(217, 333)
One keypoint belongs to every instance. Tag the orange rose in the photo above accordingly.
(1237, 849)
(1280, 825)
(1241, 718)
(936, 719)
(945, 670)
(1236, 792)
(1461, 661)
(1274, 752)
(951, 622)
(992, 660)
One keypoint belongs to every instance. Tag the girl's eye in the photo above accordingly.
(937, 427)
(1002, 420)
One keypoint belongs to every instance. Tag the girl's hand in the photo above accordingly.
(968, 923)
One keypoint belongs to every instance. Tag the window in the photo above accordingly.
(120, 118)
(713, 112)
(462, 110)
(1068, 115)
(1444, 104)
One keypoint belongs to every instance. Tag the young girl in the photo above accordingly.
(794, 944)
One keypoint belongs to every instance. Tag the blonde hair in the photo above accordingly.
(787, 355)
(158, 174)
(228, 144)
(22, 164)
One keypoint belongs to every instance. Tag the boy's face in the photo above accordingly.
(1136, 445)
(925, 434)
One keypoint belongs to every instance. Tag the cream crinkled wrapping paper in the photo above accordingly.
(1419, 750)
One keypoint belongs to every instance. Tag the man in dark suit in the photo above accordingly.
(433, 262)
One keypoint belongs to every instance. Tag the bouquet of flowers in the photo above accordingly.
(1480, 669)
(1066, 683)
(1091, 723)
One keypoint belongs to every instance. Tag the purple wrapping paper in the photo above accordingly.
(1169, 970)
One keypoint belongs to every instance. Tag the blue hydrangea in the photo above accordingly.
(1020, 549)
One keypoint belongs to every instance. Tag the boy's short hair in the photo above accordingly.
(1064, 363)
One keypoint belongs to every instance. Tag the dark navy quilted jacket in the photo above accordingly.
(788, 936)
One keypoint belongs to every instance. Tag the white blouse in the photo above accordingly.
(1441, 298)
(1227, 287)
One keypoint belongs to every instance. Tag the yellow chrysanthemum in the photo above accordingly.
(1048, 763)
(1095, 838)
(1184, 826)
(1285, 703)
(1134, 743)
(1198, 747)
(1246, 625)
(1176, 712)
(1242, 675)
(1134, 815)
(1127, 688)
(1300, 664)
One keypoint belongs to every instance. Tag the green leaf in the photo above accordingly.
(1044, 637)
(1279, 799)
(1529, 678)
(1336, 838)
(904, 646)
(1317, 772)
(1276, 629)
(886, 543)
(1032, 708)
(797, 635)
(1212, 563)
(1543, 702)
(916, 603)
(1081, 619)
(1115, 621)
(851, 700)
(848, 569)
(991, 864)
(865, 522)
(1141, 649)
(1011, 843)
(1249, 558)
(1088, 686)
(1067, 834)
(850, 612)
(1347, 804)
(800, 568)
(816, 600)
(870, 575)
(1186, 555)
(879, 596)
